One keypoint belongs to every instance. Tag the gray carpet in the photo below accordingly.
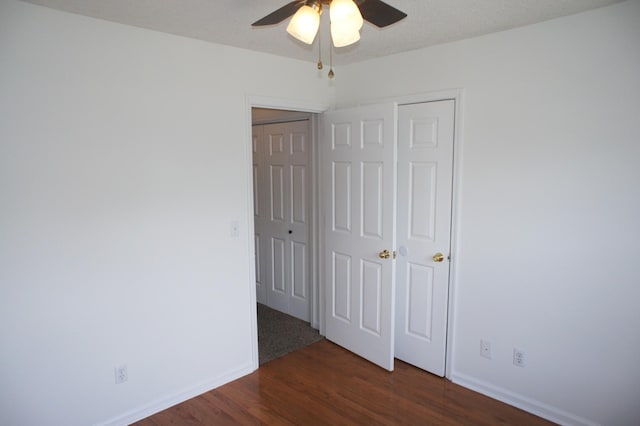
(279, 334)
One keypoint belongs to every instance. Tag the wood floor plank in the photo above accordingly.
(324, 384)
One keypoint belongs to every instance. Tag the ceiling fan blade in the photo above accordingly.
(279, 15)
(379, 13)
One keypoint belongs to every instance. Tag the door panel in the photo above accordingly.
(371, 296)
(425, 167)
(277, 266)
(299, 270)
(358, 177)
(341, 197)
(276, 196)
(419, 301)
(421, 199)
(341, 287)
(372, 178)
(299, 194)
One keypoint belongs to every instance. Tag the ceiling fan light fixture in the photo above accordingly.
(346, 20)
(344, 36)
(345, 13)
(305, 23)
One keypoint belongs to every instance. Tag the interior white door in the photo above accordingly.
(425, 167)
(283, 227)
(359, 187)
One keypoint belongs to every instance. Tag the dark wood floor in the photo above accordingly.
(324, 384)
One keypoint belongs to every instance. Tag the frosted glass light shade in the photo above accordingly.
(344, 36)
(346, 14)
(304, 24)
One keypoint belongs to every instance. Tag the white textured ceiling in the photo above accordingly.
(228, 22)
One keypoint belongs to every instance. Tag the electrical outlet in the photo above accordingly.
(121, 374)
(485, 349)
(519, 358)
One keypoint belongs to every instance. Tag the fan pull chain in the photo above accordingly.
(320, 66)
(331, 73)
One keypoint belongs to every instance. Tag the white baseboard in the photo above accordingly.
(175, 398)
(527, 404)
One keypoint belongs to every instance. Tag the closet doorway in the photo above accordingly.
(388, 180)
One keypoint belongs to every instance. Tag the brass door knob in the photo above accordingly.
(438, 257)
(384, 254)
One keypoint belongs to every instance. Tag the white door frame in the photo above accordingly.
(317, 246)
(316, 302)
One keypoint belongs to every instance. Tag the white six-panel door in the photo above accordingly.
(359, 193)
(281, 197)
(425, 167)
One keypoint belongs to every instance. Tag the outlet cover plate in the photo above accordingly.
(121, 373)
(485, 349)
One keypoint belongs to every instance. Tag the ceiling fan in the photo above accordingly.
(346, 18)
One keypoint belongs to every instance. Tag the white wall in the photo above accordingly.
(123, 160)
(549, 207)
